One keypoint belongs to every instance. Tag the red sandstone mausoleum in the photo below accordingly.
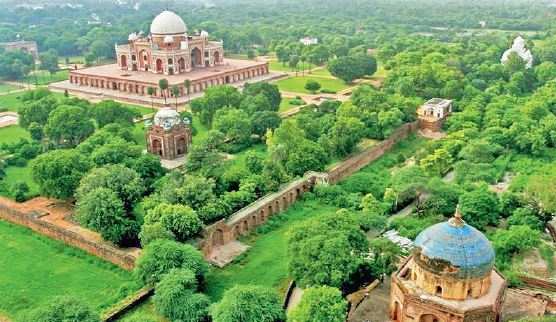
(169, 52)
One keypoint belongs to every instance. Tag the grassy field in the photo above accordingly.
(144, 311)
(35, 269)
(323, 72)
(43, 77)
(266, 262)
(19, 174)
(6, 88)
(11, 102)
(12, 134)
(297, 84)
(286, 105)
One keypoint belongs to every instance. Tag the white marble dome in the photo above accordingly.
(167, 118)
(168, 23)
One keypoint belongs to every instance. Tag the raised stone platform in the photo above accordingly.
(225, 254)
(99, 94)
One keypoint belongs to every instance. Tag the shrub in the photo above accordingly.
(176, 298)
(320, 304)
(19, 191)
(160, 256)
(297, 101)
(247, 303)
(328, 91)
(312, 86)
(63, 309)
(181, 221)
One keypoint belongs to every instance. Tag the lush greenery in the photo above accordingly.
(70, 272)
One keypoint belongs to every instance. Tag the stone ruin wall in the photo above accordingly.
(31, 220)
(258, 212)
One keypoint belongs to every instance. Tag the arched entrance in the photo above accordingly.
(181, 146)
(181, 65)
(159, 67)
(218, 238)
(429, 318)
(123, 61)
(157, 147)
(397, 313)
(143, 59)
(196, 57)
(216, 57)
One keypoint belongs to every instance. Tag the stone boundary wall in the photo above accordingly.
(544, 284)
(127, 304)
(32, 221)
(357, 162)
(257, 213)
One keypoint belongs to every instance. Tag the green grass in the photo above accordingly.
(144, 311)
(11, 102)
(297, 84)
(43, 77)
(285, 105)
(12, 134)
(323, 72)
(19, 174)
(141, 109)
(35, 269)
(6, 88)
(266, 262)
(72, 60)
(279, 67)
(201, 131)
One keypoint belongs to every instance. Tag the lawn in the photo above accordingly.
(286, 105)
(144, 311)
(266, 262)
(297, 84)
(43, 77)
(323, 72)
(12, 134)
(11, 102)
(141, 109)
(6, 88)
(279, 67)
(35, 269)
(19, 174)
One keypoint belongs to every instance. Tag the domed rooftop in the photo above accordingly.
(456, 249)
(167, 118)
(168, 23)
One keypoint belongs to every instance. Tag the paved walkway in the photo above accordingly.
(375, 306)
(8, 118)
(225, 254)
(295, 298)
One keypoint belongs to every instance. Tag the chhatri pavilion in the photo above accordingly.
(168, 52)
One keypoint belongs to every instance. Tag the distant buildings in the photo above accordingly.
(432, 114)
(26, 46)
(308, 41)
(521, 50)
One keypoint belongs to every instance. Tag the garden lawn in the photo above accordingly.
(12, 102)
(297, 84)
(278, 66)
(12, 134)
(6, 88)
(145, 311)
(266, 262)
(322, 72)
(19, 174)
(43, 77)
(285, 104)
(35, 269)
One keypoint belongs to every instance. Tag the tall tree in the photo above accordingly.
(163, 85)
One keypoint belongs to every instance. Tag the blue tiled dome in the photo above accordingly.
(454, 248)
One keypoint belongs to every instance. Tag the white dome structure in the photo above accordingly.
(167, 118)
(168, 23)
(521, 50)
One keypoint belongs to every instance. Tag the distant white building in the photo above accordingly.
(483, 24)
(521, 50)
(308, 41)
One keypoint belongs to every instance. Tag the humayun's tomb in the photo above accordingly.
(171, 53)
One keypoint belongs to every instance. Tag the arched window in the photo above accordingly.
(438, 291)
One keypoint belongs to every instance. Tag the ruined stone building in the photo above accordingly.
(449, 278)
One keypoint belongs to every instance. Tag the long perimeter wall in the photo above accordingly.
(102, 250)
(258, 212)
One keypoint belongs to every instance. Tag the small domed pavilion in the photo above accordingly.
(450, 277)
(169, 136)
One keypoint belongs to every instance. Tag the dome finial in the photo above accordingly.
(457, 220)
